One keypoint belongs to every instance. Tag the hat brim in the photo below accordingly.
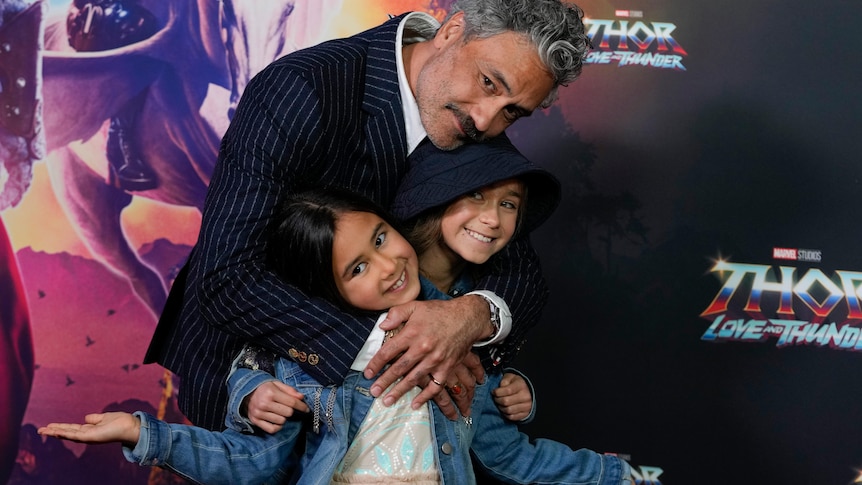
(440, 177)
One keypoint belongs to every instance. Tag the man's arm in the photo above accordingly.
(273, 145)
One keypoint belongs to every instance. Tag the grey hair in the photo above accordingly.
(555, 27)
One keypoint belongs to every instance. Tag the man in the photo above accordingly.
(347, 113)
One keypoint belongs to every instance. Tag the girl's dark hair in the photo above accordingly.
(424, 231)
(301, 235)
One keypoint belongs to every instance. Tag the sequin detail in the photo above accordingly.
(393, 445)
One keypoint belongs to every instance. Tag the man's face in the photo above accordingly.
(475, 90)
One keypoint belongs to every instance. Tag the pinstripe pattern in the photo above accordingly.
(329, 115)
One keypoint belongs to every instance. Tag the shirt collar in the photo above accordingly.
(414, 27)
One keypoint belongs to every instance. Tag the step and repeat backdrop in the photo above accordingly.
(705, 313)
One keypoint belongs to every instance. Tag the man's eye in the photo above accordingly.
(511, 114)
(381, 238)
(359, 268)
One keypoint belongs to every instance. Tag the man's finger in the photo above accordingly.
(445, 405)
(396, 316)
(430, 392)
(463, 400)
(390, 350)
(400, 368)
(474, 365)
(414, 378)
(462, 388)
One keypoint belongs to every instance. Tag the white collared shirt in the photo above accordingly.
(415, 27)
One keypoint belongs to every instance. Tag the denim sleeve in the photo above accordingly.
(251, 368)
(510, 456)
(241, 383)
(529, 418)
(211, 457)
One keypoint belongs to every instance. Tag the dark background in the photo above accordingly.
(755, 145)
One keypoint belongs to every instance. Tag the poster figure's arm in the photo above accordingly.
(16, 355)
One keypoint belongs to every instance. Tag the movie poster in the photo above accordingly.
(705, 313)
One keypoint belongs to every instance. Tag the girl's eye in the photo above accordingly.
(509, 205)
(381, 238)
(476, 195)
(359, 268)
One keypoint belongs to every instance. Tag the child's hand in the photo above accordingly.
(99, 428)
(269, 406)
(513, 397)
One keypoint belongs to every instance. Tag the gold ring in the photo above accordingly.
(435, 381)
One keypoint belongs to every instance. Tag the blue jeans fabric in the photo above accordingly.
(232, 457)
(229, 457)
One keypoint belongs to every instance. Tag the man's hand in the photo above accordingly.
(98, 428)
(271, 404)
(437, 335)
(462, 385)
(513, 397)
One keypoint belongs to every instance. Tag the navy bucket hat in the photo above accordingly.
(438, 177)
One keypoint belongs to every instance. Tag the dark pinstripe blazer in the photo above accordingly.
(327, 115)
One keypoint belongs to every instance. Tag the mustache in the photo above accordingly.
(467, 124)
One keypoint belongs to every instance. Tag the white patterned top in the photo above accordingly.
(393, 445)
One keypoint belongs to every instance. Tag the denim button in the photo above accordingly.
(446, 448)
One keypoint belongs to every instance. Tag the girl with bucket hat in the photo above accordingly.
(488, 193)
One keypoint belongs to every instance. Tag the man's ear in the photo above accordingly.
(453, 29)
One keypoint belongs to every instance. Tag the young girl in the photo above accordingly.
(372, 268)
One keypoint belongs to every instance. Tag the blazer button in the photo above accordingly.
(446, 448)
(303, 356)
(313, 359)
(293, 353)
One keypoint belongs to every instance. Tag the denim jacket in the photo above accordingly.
(236, 457)
(231, 457)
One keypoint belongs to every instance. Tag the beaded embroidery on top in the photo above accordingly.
(257, 358)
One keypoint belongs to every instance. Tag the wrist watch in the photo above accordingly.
(495, 317)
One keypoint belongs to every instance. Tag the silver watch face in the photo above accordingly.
(495, 314)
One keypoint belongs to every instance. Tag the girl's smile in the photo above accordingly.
(374, 267)
(480, 224)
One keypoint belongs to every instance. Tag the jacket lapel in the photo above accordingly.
(385, 131)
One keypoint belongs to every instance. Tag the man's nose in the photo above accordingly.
(487, 117)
